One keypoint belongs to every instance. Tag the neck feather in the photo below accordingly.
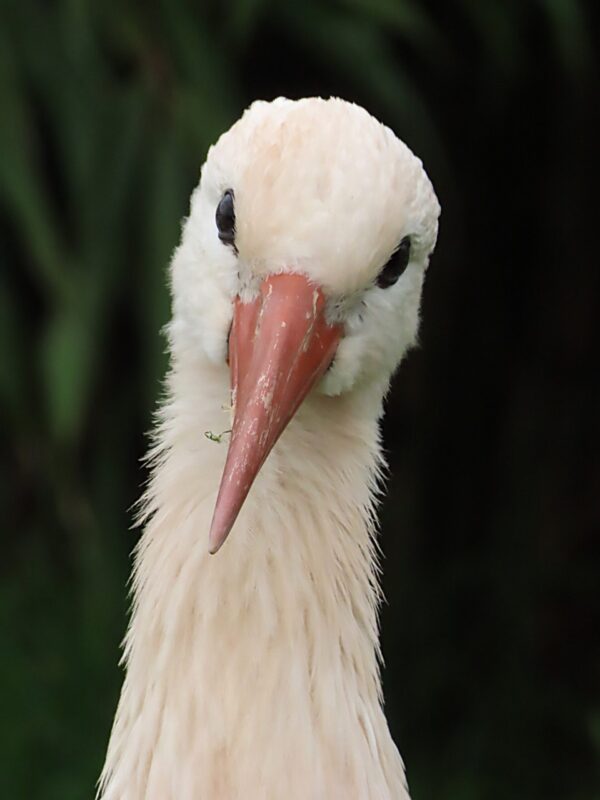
(254, 673)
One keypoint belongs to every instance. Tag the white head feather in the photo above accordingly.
(253, 674)
(323, 188)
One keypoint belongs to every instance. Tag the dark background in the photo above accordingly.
(490, 526)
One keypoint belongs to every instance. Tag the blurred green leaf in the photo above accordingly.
(407, 18)
(497, 24)
(570, 27)
(66, 358)
(361, 52)
(13, 356)
(244, 18)
(21, 186)
(166, 203)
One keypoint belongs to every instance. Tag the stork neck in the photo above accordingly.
(269, 647)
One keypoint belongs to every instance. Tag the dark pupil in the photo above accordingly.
(396, 265)
(225, 218)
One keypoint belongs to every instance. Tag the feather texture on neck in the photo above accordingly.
(254, 673)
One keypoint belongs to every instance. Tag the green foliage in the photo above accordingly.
(107, 111)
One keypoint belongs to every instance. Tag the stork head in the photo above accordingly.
(301, 266)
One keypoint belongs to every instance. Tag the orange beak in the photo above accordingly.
(279, 346)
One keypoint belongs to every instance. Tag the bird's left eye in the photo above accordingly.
(225, 218)
(396, 265)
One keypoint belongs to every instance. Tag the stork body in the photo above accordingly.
(254, 673)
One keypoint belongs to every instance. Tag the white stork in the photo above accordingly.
(254, 674)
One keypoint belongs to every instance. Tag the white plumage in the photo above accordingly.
(254, 673)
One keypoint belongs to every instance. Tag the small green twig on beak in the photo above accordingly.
(216, 437)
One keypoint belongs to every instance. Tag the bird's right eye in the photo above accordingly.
(225, 218)
(396, 265)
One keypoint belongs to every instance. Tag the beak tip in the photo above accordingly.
(216, 539)
(213, 546)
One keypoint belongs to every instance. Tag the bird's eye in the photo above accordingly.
(225, 218)
(396, 265)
